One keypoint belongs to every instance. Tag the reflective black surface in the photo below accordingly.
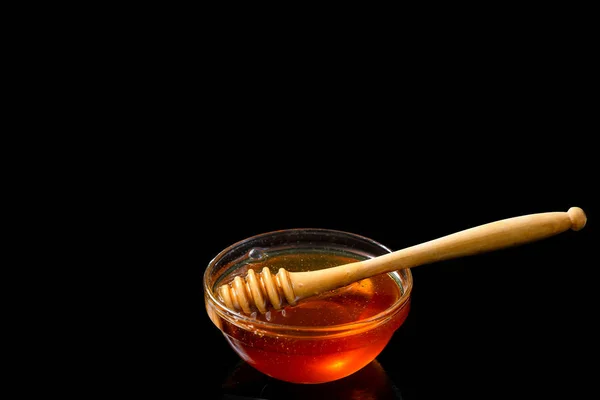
(371, 382)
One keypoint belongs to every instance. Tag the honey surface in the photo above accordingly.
(302, 359)
(351, 303)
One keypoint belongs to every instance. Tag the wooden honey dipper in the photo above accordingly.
(256, 288)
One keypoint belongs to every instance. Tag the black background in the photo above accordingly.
(400, 168)
(180, 145)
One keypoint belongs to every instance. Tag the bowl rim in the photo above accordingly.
(244, 321)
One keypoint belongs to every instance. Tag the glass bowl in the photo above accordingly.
(322, 338)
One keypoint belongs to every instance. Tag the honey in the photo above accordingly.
(325, 337)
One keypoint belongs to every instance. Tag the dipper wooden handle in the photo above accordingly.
(257, 290)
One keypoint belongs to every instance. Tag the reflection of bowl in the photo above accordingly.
(370, 382)
(323, 338)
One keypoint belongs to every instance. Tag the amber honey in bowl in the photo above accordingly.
(325, 337)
